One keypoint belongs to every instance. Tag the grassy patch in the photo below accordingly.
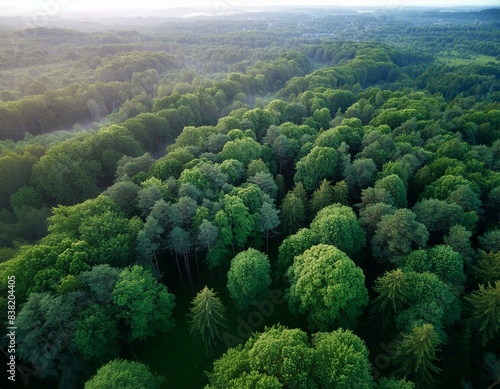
(455, 59)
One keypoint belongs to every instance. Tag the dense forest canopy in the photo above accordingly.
(289, 198)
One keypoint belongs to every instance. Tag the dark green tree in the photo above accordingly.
(416, 355)
(398, 234)
(485, 311)
(293, 214)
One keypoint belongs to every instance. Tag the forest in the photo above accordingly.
(292, 198)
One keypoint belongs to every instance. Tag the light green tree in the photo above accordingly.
(319, 164)
(248, 279)
(337, 225)
(122, 374)
(340, 361)
(142, 303)
(327, 286)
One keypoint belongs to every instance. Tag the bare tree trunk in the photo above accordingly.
(157, 265)
(179, 268)
(494, 384)
(197, 265)
(220, 273)
(131, 349)
(188, 270)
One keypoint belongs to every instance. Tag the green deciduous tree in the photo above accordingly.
(122, 374)
(327, 286)
(490, 241)
(458, 239)
(337, 225)
(397, 234)
(45, 328)
(96, 334)
(319, 164)
(441, 260)
(487, 267)
(248, 279)
(294, 245)
(278, 352)
(142, 303)
(438, 215)
(340, 361)
(396, 187)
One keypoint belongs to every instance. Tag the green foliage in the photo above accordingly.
(319, 164)
(391, 383)
(340, 361)
(371, 215)
(485, 313)
(327, 286)
(396, 188)
(282, 353)
(429, 300)
(459, 240)
(392, 290)
(397, 234)
(122, 374)
(281, 357)
(444, 186)
(96, 334)
(490, 241)
(208, 318)
(321, 197)
(416, 355)
(438, 215)
(248, 279)
(337, 225)
(45, 328)
(142, 303)
(293, 213)
(487, 267)
(294, 245)
(441, 260)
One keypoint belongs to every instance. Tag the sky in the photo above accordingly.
(52, 7)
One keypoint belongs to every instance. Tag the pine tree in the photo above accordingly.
(207, 318)
(322, 197)
(416, 354)
(485, 318)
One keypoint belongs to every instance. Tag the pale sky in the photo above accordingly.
(53, 7)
